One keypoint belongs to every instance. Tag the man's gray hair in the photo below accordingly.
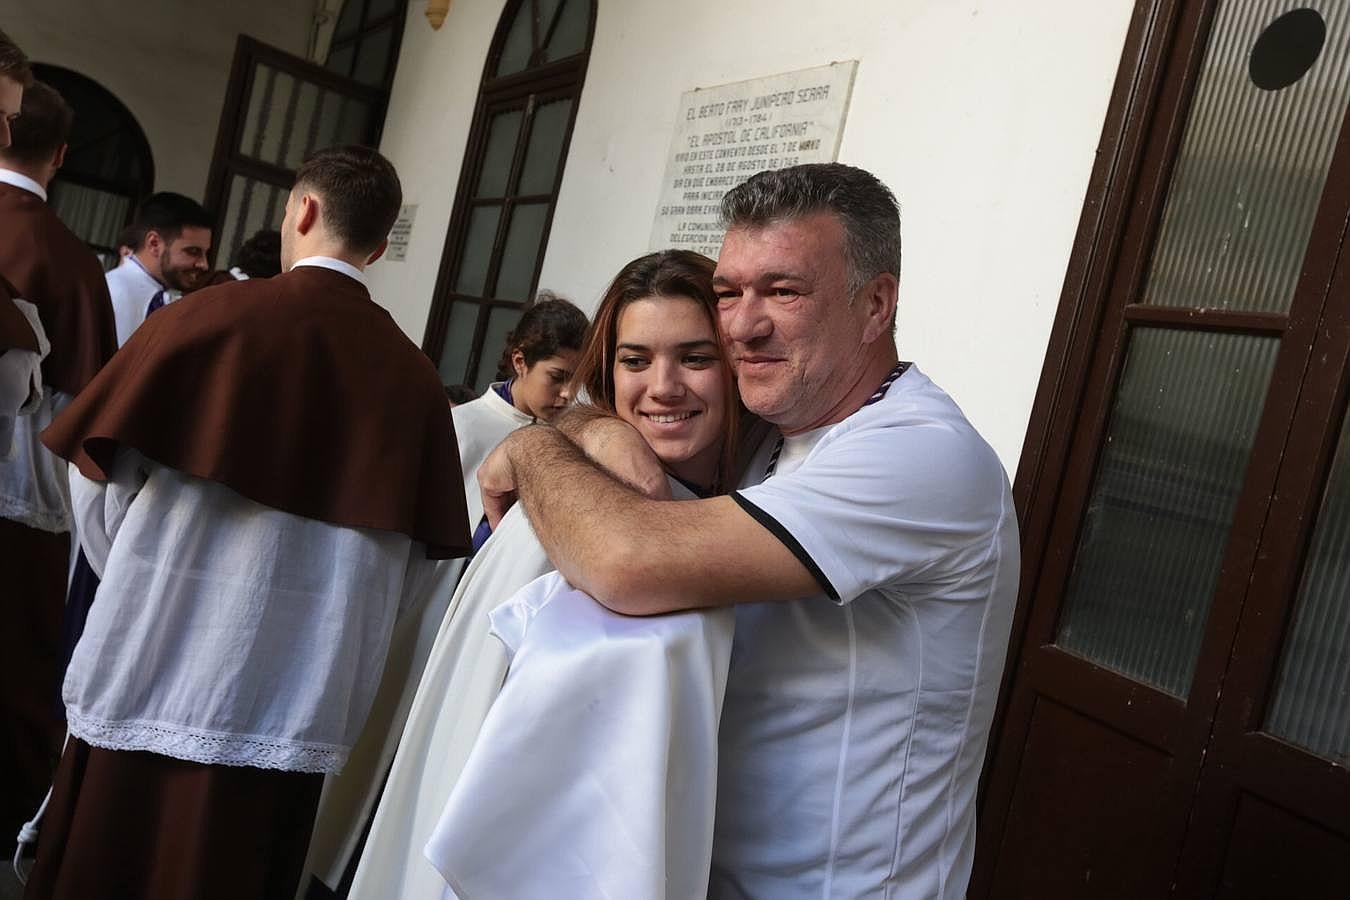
(865, 207)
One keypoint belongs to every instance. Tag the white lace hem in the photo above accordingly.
(209, 747)
(23, 512)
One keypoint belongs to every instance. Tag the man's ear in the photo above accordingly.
(153, 244)
(59, 159)
(379, 251)
(879, 298)
(309, 213)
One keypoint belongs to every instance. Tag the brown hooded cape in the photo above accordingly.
(297, 392)
(51, 268)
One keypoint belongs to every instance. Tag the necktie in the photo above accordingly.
(156, 302)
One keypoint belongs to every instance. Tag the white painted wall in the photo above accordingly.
(167, 60)
(982, 115)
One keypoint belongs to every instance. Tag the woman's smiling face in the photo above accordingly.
(669, 383)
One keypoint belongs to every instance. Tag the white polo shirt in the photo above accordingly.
(855, 722)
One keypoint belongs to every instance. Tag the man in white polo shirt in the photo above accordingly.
(872, 553)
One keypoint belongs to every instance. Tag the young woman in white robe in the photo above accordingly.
(536, 370)
(655, 360)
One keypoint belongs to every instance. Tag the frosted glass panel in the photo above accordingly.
(545, 147)
(500, 322)
(287, 120)
(1253, 161)
(1157, 523)
(471, 275)
(498, 153)
(458, 342)
(250, 206)
(570, 37)
(340, 59)
(1312, 693)
(522, 252)
(519, 43)
(372, 57)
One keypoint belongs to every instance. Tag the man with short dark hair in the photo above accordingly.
(49, 267)
(872, 554)
(170, 258)
(261, 476)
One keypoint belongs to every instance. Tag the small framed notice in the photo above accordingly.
(725, 134)
(400, 233)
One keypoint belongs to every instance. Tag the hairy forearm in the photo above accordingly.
(603, 535)
(635, 554)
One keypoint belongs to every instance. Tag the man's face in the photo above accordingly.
(11, 100)
(183, 262)
(796, 343)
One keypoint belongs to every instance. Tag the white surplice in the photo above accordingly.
(349, 798)
(228, 632)
(595, 772)
(461, 678)
(20, 379)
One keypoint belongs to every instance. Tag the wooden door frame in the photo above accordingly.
(1146, 120)
(226, 160)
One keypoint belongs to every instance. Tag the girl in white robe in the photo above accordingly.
(656, 361)
(540, 357)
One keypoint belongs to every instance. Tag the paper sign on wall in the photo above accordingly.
(725, 134)
(400, 233)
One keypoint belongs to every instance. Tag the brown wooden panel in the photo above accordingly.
(1275, 854)
(1088, 829)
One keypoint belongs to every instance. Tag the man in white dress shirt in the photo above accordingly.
(171, 258)
(261, 476)
(872, 553)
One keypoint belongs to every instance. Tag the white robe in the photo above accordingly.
(20, 379)
(462, 676)
(349, 798)
(595, 772)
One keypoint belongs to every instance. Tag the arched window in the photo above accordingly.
(509, 183)
(108, 167)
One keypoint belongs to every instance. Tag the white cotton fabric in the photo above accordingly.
(462, 676)
(131, 288)
(34, 490)
(854, 729)
(480, 425)
(349, 799)
(20, 379)
(20, 180)
(595, 772)
(228, 632)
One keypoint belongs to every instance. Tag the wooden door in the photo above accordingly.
(278, 110)
(1191, 406)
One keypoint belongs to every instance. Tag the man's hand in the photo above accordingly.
(615, 446)
(610, 443)
(497, 483)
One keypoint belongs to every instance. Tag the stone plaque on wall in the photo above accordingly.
(725, 134)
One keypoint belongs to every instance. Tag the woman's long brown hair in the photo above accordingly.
(670, 274)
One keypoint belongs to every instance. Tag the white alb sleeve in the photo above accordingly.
(101, 507)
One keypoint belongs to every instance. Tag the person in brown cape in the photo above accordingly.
(265, 472)
(49, 267)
